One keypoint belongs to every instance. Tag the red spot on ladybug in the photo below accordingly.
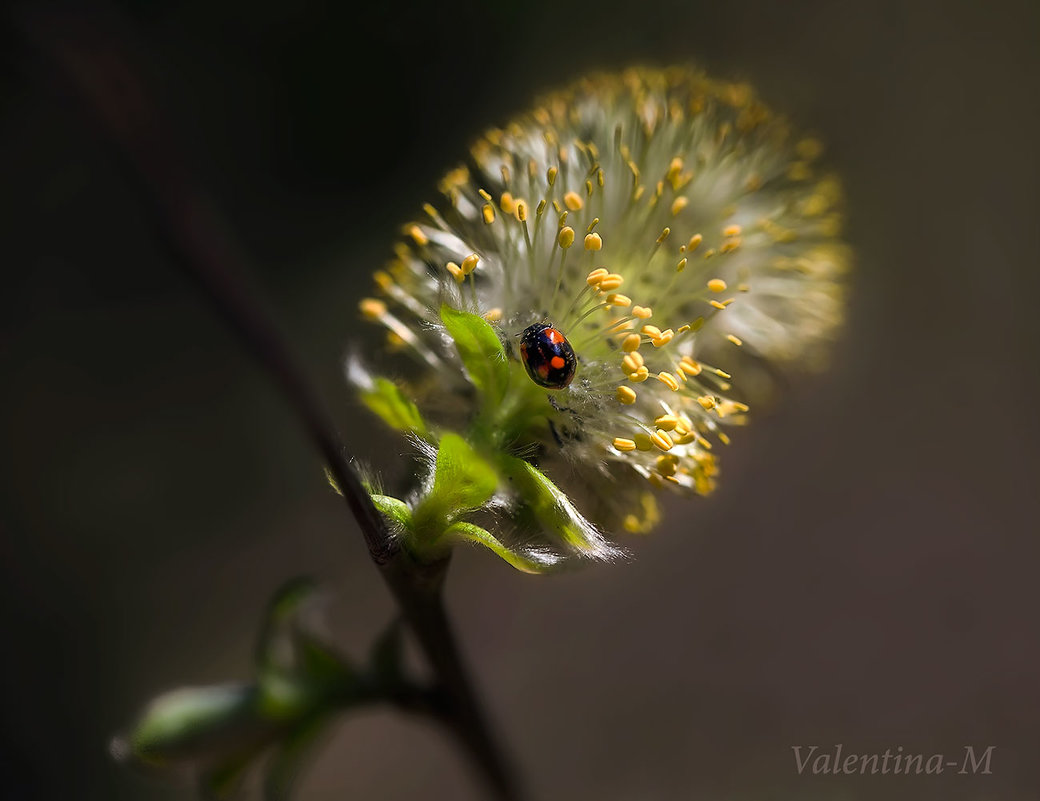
(547, 356)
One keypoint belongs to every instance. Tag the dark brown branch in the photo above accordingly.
(92, 56)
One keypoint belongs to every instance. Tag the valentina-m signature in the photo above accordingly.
(812, 760)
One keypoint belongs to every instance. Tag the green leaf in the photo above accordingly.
(388, 401)
(395, 510)
(462, 481)
(528, 562)
(481, 352)
(197, 723)
(554, 510)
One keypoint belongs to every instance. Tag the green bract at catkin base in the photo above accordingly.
(678, 235)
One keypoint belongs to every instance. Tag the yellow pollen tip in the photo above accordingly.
(489, 213)
(640, 375)
(666, 422)
(642, 312)
(631, 343)
(573, 201)
(506, 203)
(652, 331)
(484, 194)
(622, 444)
(666, 465)
(415, 232)
(642, 441)
(663, 235)
(668, 380)
(597, 275)
(521, 210)
(456, 272)
(616, 299)
(718, 305)
(730, 245)
(662, 440)
(694, 243)
(689, 366)
(493, 315)
(681, 265)
(626, 395)
(679, 204)
(707, 401)
(731, 230)
(372, 309)
(632, 362)
(717, 285)
(383, 280)
(611, 282)
(469, 264)
(593, 242)
(734, 339)
(566, 237)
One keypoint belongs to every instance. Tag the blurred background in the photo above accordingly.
(865, 575)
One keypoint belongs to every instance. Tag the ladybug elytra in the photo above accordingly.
(548, 356)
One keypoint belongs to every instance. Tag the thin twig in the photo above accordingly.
(92, 54)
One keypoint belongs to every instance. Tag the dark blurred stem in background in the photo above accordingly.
(93, 55)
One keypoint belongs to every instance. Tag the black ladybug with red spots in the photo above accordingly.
(548, 356)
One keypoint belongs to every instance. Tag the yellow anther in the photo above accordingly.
(643, 442)
(632, 362)
(521, 210)
(626, 395)
(694, 243)
(631, 343)
(489, 213)
(717, 285)
(597, 275)
(663, 235)
(724, 438)
(599, 178)
(540, 208)
(642, 312)
(731, 230)
(588, 188)
(469, 264)
(673, 170)
(573, 201)
(718, 305)
(685, 438)
(617, 299)
(679, 204)
(668, 380)
(730, 245)
(493, 315)
(566, 237)
(507, 204)
(689, 366)
(666, 422)
(735, 340)
(640, 375)
(416, 233)
(484, 194)
(721, 373)
(662, 440)
(593, 242)
(550, 175)
(707, 401)
(592, 225)
(611, 282)
(559, 210)
(456, 272)
(683, 329)
(383, 279)
(666, 465)
(681, 265)
(632, 524)
(622, 444)
(652, 331)
(394, 340)
(372, 309)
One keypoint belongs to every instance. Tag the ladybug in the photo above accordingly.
(548, 356)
